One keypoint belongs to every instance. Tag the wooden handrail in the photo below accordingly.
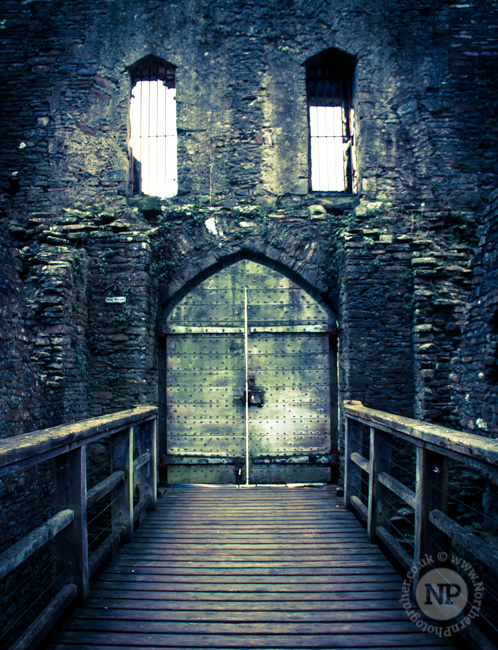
(477, 450)
(434, 446)
(29, 449)
(24, 548)
(133, 470)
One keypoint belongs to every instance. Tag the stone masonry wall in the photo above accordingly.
(121, 335)
(393, 260)
(425, 128)
(424, 89)
(54, 274)
(442, 282)
(475, 376)
(376, 362)
(20, 395)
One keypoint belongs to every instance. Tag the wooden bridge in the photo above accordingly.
(250, 567)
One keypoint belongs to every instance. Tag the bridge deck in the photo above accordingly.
(265, 567)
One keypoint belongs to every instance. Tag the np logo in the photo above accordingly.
(446, 600)
(442, 594)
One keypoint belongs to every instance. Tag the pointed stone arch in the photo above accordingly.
(292, 351)
(192, 274)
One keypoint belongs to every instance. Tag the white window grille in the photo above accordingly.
(153, 138)
(330, 113)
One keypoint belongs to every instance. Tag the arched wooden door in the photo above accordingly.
(250, 332)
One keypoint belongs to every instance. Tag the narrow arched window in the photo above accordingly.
(329, 84)
(153, 138)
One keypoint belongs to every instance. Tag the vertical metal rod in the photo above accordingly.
(158, 192)
(246, 351)
(349, 136)
(329, 102)
(149, 138)
(343, 132)
(166, 97)
(318, 132)
(140, 135)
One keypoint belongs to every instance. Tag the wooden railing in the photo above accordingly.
(131, 486)
(380, 445)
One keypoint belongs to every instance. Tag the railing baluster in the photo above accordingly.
(352, 480)
(380, 461)
(153, 462)
(431, 487)
(140, 477)
(437, 537)
(70, 491)
(122, 496)
(147, 475)
(66, 445)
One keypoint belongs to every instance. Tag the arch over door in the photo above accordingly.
(250, 319)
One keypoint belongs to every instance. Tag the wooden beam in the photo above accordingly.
(24, 548)
(290, 329)
(142, 460)
(352, 481)
(47, 620)
(153, 462)
(394, 547)
(70, 491)
(480, 549)
(276, 329)
(142, 505)
(466, 444)
(186, 329)
(102, 552)
(362, 463)
(475, 638)
(360, 507)
(122, 495)
(431, 486)
(104, 487)
(29, 449)
(380, 461)
(398, 488)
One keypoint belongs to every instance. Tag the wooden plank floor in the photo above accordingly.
(265, 567)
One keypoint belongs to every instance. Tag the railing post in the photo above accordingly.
(431, 490)
(122, 496)
(147, 476)
(380, 461)
(153, 461)
(70, 491)
(352, 481)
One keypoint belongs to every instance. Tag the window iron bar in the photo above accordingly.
(153, 151)
(330, 137)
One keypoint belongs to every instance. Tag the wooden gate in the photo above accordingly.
(250, 375)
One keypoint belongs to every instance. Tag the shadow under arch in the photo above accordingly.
(327, 302)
